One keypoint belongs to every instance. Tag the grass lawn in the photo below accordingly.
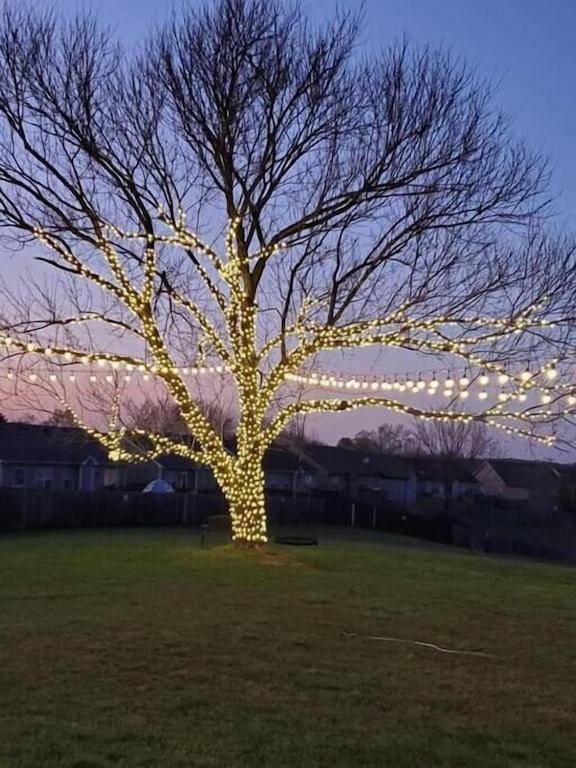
(138, 648)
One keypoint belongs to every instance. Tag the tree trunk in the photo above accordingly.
(247, 503)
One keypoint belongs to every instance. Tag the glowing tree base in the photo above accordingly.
(248, 512)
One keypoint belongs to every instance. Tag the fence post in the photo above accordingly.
(353, 515)
(24, 509)
(373, 517)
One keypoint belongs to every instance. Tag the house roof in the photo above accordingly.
(438, 469)
(279, 460)
(523, 473)
(173, 462)
(348, 461)
(566, 472)
(36, 443)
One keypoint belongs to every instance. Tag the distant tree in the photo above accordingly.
(434, 438)
(26, 418)
(3, 419)
(62, 417)
(388, 438)
(297, 434)
(163, 416)
(455, 439)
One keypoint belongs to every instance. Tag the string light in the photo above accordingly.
(551, 373)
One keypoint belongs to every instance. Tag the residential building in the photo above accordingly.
(538, 485)
(355, 473)
(445, 478)
(49, 458)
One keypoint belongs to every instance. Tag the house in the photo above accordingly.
(43, 457)
(284, 471)
(355, 473)
(539, 485)
(287, 471)
(567, 481)
(445, 478)
(49, 458)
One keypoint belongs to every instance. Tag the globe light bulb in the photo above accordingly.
(551, 373)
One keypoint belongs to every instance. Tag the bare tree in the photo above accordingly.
(343, 202)
(162, 416)
(61, 417)
(388, 438)
(452, 439)
(297, 434)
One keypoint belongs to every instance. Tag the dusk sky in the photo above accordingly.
(525, 47)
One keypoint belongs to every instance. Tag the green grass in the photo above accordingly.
(137, 648)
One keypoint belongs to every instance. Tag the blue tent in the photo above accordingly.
(158, 486)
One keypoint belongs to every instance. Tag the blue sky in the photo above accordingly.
(526, 47)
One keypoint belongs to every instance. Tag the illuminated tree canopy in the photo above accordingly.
(251, 194)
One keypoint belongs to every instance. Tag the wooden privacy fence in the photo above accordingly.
(26, 509)
(22, 509)
(30, 509)
(34, 509)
